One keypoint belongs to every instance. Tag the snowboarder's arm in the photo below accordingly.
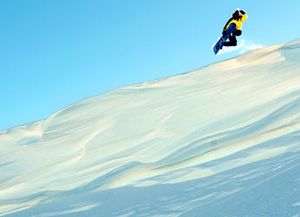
(225, 27)
(231, 28)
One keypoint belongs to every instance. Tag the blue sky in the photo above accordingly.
(56, 52)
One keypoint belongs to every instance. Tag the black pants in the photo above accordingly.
(232, 38)
(232, 41)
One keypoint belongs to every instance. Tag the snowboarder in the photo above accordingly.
(232, 29)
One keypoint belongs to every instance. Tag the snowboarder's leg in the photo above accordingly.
(231, 29)
(232, 41)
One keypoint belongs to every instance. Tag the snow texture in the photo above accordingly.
(223, 140)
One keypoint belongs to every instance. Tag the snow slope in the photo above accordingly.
(223, 140)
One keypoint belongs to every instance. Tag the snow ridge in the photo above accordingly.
(234, 121)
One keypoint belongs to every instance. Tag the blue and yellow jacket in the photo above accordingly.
(238, 22)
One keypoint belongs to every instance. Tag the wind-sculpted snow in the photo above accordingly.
(223, 140)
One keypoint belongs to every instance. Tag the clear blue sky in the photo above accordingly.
(56, 52)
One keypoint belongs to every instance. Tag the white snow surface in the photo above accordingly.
(223, 140)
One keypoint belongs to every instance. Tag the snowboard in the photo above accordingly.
(219, 45)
